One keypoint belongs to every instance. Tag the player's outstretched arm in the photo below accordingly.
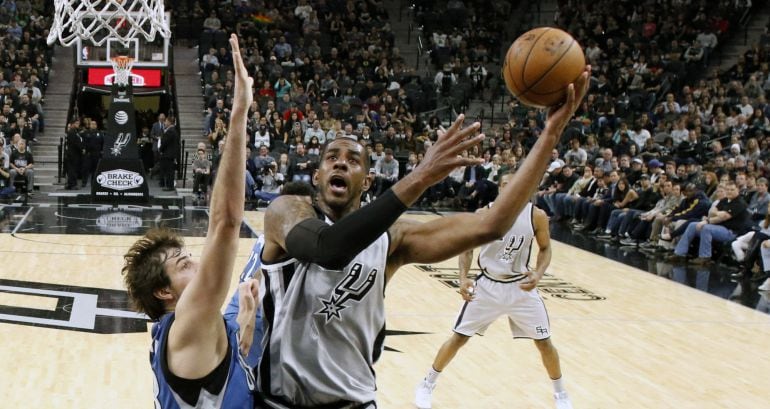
(291, 226)
(449, 236)
(199, 327)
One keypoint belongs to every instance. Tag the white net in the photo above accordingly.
(122, 67)
(98, 20)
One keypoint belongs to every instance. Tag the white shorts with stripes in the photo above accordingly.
(526, 311)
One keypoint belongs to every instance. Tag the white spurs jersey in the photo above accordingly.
(507, 259)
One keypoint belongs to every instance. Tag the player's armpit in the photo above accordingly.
(281, 216)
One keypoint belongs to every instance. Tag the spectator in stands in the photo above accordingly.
(73, 160)
(302, 165)
(212, 22)
(759, 201)
(22, 164)
(93, 144)
(729, 221)
(168, 151)
(386, 172)
(201, 172)
(315, 131)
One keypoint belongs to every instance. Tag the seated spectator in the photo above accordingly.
(386, 172)
(22, 164)
(730, 220)
(301, 165)
(201, 172)
(757, 206)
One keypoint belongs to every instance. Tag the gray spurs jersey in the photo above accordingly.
(324, 330)
(506, 259)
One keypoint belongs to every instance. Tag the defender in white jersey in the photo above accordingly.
(326, 264)
(505, 287)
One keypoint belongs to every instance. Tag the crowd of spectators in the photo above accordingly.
(662, 153)
(25, 59)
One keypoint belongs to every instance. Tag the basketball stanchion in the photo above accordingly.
(119, 175)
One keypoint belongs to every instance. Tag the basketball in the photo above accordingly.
(540, 64)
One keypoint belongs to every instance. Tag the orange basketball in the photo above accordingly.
(540, 64)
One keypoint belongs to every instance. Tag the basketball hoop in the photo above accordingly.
(122, 67)
(99, 20)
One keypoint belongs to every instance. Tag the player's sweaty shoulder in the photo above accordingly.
(284, 213)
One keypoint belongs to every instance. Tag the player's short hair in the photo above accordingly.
(364, 156)
(143, 271)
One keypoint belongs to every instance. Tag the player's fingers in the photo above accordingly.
(461, 161)
(234, 47)
(456, 125)
(468, 143)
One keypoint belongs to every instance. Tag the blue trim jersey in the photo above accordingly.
(251, 270)
(325, 329)
(230, 385)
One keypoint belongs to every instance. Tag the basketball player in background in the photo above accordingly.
(506, 286)
(195, 354)
(325, 265)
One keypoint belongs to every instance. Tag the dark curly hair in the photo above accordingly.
(143, 271)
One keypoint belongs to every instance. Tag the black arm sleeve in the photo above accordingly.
(334, 246)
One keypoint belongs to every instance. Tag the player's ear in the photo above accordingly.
(163, 294)
(315, 178)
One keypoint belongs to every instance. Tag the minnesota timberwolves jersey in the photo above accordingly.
(506, 259)
(324, 330)
(230, 385)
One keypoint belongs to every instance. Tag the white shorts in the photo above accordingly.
(526, 311)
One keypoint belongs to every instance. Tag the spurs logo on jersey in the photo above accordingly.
(513, 244)
(508, 259)
(346, 291)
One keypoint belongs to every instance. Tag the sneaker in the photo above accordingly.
(628, 242)
(702, 260)
(562, 400)
(765, 286)
(665, 236)
(423, 394)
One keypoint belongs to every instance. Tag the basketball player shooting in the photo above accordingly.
(325, 265)
(195, 355)
(506, 286)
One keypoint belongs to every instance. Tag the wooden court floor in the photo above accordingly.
(627, 339)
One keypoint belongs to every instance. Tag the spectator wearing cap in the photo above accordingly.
(728, 220)
(386, 172)
(654, 169)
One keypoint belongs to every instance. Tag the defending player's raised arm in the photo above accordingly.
(199, 321)
(448, 236)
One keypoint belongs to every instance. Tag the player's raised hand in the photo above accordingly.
(446, 154)
(560, 115)
(243, 94)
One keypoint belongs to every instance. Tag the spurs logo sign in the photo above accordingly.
(120, 142)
